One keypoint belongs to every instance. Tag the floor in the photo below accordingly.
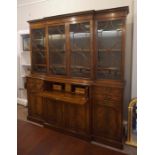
(33, 139)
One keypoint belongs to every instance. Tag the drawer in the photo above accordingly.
(36, 81)
(34, 85)
(105, 102)
(110, 97)
(108, 92)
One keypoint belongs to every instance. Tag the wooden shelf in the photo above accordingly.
(81, 32)
(38, 39)
(22, 89)
(80, 67)
(42, 65)
(26, 65)
(109, 50)
(80, 50)
(36, 50)
(56, 50)
(24, 51)
(108, 68)
(23, 76)
(58, 66)
(66, 97)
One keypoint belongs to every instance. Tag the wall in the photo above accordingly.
(134, 54)
(30, 9)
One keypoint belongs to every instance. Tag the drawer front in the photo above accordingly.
(106, 102)
(107, 97)
(108, 94)
(34, 85)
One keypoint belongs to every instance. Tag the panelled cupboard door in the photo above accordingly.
(35, 106)
(53, 112)
(38, 48)
(66, 115)
(76, 118)
(106, 121)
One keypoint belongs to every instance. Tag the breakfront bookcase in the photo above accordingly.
(77, 75)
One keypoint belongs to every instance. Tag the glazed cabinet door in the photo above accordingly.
(35, 107)
(57, 49)
(38, 47)
(53, 112)
(80, 49)
(109, 43)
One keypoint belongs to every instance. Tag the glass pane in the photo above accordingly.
(38, 39)
(41, 69)
(57, 53)
(38, 50)
(109, 43)
(80, 49)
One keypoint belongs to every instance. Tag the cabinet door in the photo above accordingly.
(35, 106)
(109, 49)
(57, 49)
(53, 112)
(80, 46)
(107, 121)
(76, 118)
(39, 62)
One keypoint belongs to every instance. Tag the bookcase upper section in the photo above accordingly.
(87, 45)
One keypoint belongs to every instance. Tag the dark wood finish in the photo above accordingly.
(35, 104)
(107, 107)
(123, 10)
(108, 98)
(67, 97)
(35, 107)
(53, 112)
(76, 118)
(85, 100)
(34, 85)
(34, 140)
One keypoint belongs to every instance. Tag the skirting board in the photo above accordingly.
(22, 101)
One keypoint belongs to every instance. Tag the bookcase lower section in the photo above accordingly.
(92, 112)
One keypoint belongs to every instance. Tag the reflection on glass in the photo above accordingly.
(38, 50)
(38, 39)
(80, 49)
(57, 53)
(109, 42)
